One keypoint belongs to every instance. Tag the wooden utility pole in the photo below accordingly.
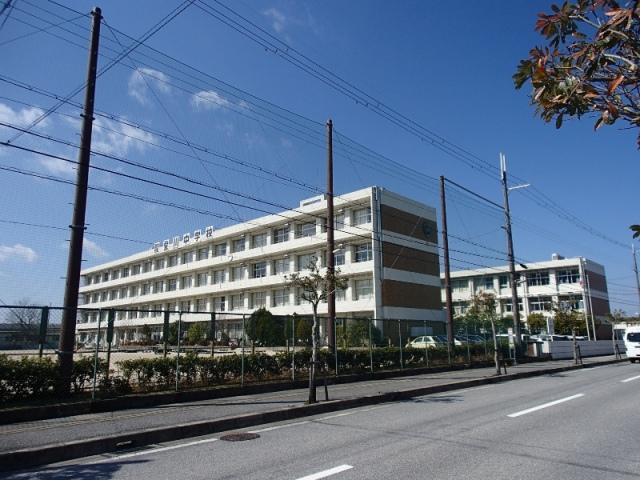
(77, 227)
(331, 296)
(635, 270)
(447, 269)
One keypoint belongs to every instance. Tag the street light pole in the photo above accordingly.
(512, 266)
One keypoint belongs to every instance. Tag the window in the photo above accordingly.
(259, 270)
(537, 278)
(341, 294)
(158, 287)
(460, 308)
(187, 257)
(339, 257)
(259, 240)
(538, 304)
(201, 279)
(237, 245)
(307, 229)
(125, 272)
(237, 273)
(159, 263)
(171, 307)
(113, 294)
(201, 305)
(172, 284)
(136, 270)
(219, 304)
(280, 235)
(146, 266)
(299, 299)
(95, 298)
(203, 253)
(96, 279)
(280, 266)
(570, 275)
(103, 296)
(133, 291)
(363, 252)
(185, 306)
(220, 249)
(362, 216)
(572, 302)
(485, 283)
(338, 221)
(186, 282)
(280, 298)
(504, 281)
(146, 289)
(364, 289)
(173, 260)
(506, 306)
(258, 299)
(237, 302)
(115, 274)
(88, 280)
(105, 277)
(123, 292)
(305, 261)
(460, 286)
(218, 277)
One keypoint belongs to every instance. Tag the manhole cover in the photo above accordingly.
(239, 437)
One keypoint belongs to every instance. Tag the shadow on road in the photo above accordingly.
(95, 471)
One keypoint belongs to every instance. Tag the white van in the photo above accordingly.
(632, 343)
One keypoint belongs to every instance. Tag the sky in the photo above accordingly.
(200, 100)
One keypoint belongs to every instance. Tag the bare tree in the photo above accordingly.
(314, 288)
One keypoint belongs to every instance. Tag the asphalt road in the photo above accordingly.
(582, 424)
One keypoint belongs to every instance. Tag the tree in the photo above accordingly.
(589, 65)
(264, 329)
(314, 288)
(196, 333)
(483, 307)
(565, 321)
(146, 332)
(537, 323)
(26, 323)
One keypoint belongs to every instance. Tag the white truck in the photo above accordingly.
(632, 343)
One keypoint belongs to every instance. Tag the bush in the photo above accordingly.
(27, 378)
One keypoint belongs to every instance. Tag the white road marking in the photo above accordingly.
(157, 450)
(630, 379)
(344, 414)
(326, 473)
(545, 405)
(268, 429)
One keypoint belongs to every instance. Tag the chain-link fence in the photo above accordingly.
(120, 351)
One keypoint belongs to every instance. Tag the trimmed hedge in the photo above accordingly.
(33, 378)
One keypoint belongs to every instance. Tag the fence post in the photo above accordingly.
(111, 314)
(426, 346)
(212, 332)
(370, 344)
(178, 350)
(335, 340)
(466, 329)
(293, 349)
(95, 358)
(165, 332)
(44, 322)
(242, 360)
(400, 340)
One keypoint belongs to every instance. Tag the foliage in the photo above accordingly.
(303, 331)
(146, 334)
(264, 329)
(565, 321)
(537, 323)
(172, 336)
(197, 334)
(589, 64)
(356, 333)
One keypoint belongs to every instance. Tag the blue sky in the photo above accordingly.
(446, 66)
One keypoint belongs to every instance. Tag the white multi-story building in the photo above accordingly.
(386, 248)
(571, 283)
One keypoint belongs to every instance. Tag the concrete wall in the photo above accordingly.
(564, 349)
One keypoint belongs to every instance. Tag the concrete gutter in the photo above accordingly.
(32, 457)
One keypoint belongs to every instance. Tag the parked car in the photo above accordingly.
(426, 341)
(632, 343)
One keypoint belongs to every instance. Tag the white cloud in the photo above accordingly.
(278, 19)
(21, 117)
(142, 78)
(17, 251)
(116, 138)
(58, 167)
(93, 249)
(209, 100)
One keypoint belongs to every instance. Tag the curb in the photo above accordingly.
(32, 457)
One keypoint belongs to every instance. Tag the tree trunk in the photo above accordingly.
(314, 356)
(495, 347)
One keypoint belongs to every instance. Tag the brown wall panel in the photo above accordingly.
(409, 259)
(410, 295)
(600, 306)
(597, 282)
(398, 221)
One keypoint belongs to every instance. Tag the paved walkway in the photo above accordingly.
(55, 431)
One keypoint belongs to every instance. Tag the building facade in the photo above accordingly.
(569, 283)
(386, 249)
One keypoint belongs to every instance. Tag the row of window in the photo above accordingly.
(363, 253)
(534, 279)
(536, 304)
(362, 290)
(278, 235)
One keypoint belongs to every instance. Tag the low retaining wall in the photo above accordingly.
(564, 349)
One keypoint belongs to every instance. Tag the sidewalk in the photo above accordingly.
(31, 443)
